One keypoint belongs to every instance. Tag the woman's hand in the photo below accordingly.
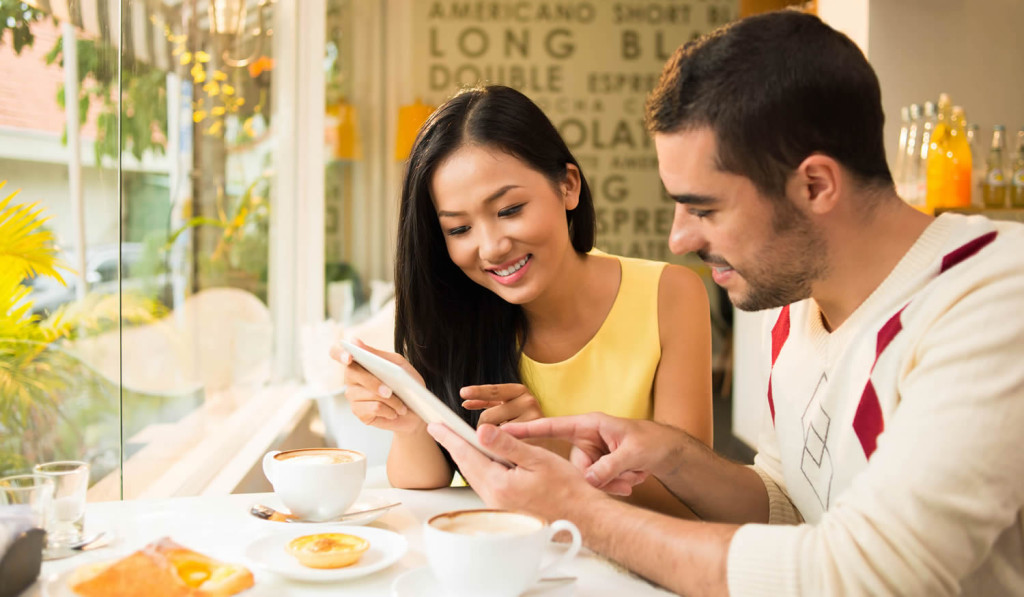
(371, 401)
(501, 403)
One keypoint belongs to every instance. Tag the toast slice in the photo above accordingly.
(161, 569)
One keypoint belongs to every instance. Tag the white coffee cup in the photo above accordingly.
(316, 483)
(492, 553)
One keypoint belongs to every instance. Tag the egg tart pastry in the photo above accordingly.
(327, 550)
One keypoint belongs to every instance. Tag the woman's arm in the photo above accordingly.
(682, 383)
(415, 461)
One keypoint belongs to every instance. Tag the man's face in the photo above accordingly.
(764, 252)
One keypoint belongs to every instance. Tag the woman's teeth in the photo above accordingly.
(511, 270)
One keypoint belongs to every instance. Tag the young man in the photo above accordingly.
(894, 367)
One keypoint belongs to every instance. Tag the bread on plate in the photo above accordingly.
(161, 569)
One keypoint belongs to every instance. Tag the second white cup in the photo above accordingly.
(316, 483)
(492, 553)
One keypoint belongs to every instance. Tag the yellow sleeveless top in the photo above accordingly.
(614, 372)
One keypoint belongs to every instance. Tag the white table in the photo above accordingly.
(221, 527)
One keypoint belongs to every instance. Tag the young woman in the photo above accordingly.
(505, 310)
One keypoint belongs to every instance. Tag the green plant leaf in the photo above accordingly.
(26, 248)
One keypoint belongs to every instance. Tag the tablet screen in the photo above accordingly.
(422, 401)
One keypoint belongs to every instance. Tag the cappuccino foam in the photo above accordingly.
(315, 456)
(488, 523)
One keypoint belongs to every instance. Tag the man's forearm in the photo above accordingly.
(715, 488)
(686, 557)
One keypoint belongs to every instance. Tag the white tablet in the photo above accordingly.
(422, 401)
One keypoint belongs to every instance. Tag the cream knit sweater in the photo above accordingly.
(899, 437)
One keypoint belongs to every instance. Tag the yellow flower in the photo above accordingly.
(186, 57)
(219, 75)
(212, 88)
(216, 127)
(228, 89)
(202, 56)
(217, 111)
(198, 116)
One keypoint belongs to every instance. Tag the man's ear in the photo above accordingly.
(571, 187)
(817, 183)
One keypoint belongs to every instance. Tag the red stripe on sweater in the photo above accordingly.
(780, 333)
(887, 333)
(967, 250)
(868, 423)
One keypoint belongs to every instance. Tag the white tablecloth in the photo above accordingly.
(221, 527)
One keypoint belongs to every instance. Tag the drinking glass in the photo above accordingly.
(28, 494)
(66, 518)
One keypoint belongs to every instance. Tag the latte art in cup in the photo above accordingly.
(493, 553)
(316, 484)
(488, 523)
(318, 456)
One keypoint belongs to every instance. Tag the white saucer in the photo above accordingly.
(421, 583)
(366, 501)
(269, 553)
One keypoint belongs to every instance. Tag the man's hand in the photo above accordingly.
(541, 482)
(614, 454)
(501, 403)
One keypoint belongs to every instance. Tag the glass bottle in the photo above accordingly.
(938, 166)
(958, 155)
(977, 164)
(906, 180)
(920, 169)
(899, 172)
(994, 187)
(1017, 182)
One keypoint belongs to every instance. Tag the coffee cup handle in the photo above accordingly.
(268, 465)
(570, 553)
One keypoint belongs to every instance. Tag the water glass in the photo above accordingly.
(66, 519)
(28, 494)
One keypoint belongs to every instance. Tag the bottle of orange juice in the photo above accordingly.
(958, 151)
(949, 159)
(936, 165)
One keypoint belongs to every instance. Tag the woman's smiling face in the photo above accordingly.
(504, 222)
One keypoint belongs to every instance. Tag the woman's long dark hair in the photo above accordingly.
(452, 330)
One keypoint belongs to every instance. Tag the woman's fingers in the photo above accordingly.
(368, 411)
(500, 392)
(363, 399)
(479, 404)
(355, 375)
(523, 408)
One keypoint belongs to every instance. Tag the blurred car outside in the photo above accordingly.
(101, 277)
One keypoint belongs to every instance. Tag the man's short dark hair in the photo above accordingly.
(776, 88)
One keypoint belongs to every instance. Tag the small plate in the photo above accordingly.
(421, 583)
(365, 502)
(269, 553)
